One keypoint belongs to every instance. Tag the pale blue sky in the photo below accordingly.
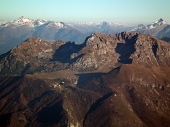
(120, 11)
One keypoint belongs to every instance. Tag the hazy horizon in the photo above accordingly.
(130, 12)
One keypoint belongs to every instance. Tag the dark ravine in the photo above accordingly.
(110, 80)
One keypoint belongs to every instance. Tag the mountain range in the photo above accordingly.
(109, 80)
(159, 29)
(36, 55)
(13, 32)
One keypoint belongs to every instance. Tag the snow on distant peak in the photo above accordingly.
(56, 24)
(97, 24)
(23, 19)
(2, 22)
(83, 24)
(19, 22)
(39, 22)
(31, 23)
(104, 23)
(139, 27)
(161, 21)
(157, 23)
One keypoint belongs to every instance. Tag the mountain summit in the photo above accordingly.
(159, 28)
(22, 21)
(157, 23)
(14, 32)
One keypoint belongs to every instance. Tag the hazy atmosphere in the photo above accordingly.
(123, 11)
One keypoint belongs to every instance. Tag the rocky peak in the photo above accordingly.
(126, 47)
(104, 25)
(161, 21)
(22, 18)
(150, 51)
(29, 55)
(157, 23)
(141, 26)
(33, 47)
(103, 51)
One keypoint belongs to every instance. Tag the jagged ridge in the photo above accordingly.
(99, 51)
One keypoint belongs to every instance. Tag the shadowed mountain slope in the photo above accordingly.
(131, 95)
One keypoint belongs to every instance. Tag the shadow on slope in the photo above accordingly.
(126, 49)
(51, 115)
(97, 104)
(64, 52)
(87, 76)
